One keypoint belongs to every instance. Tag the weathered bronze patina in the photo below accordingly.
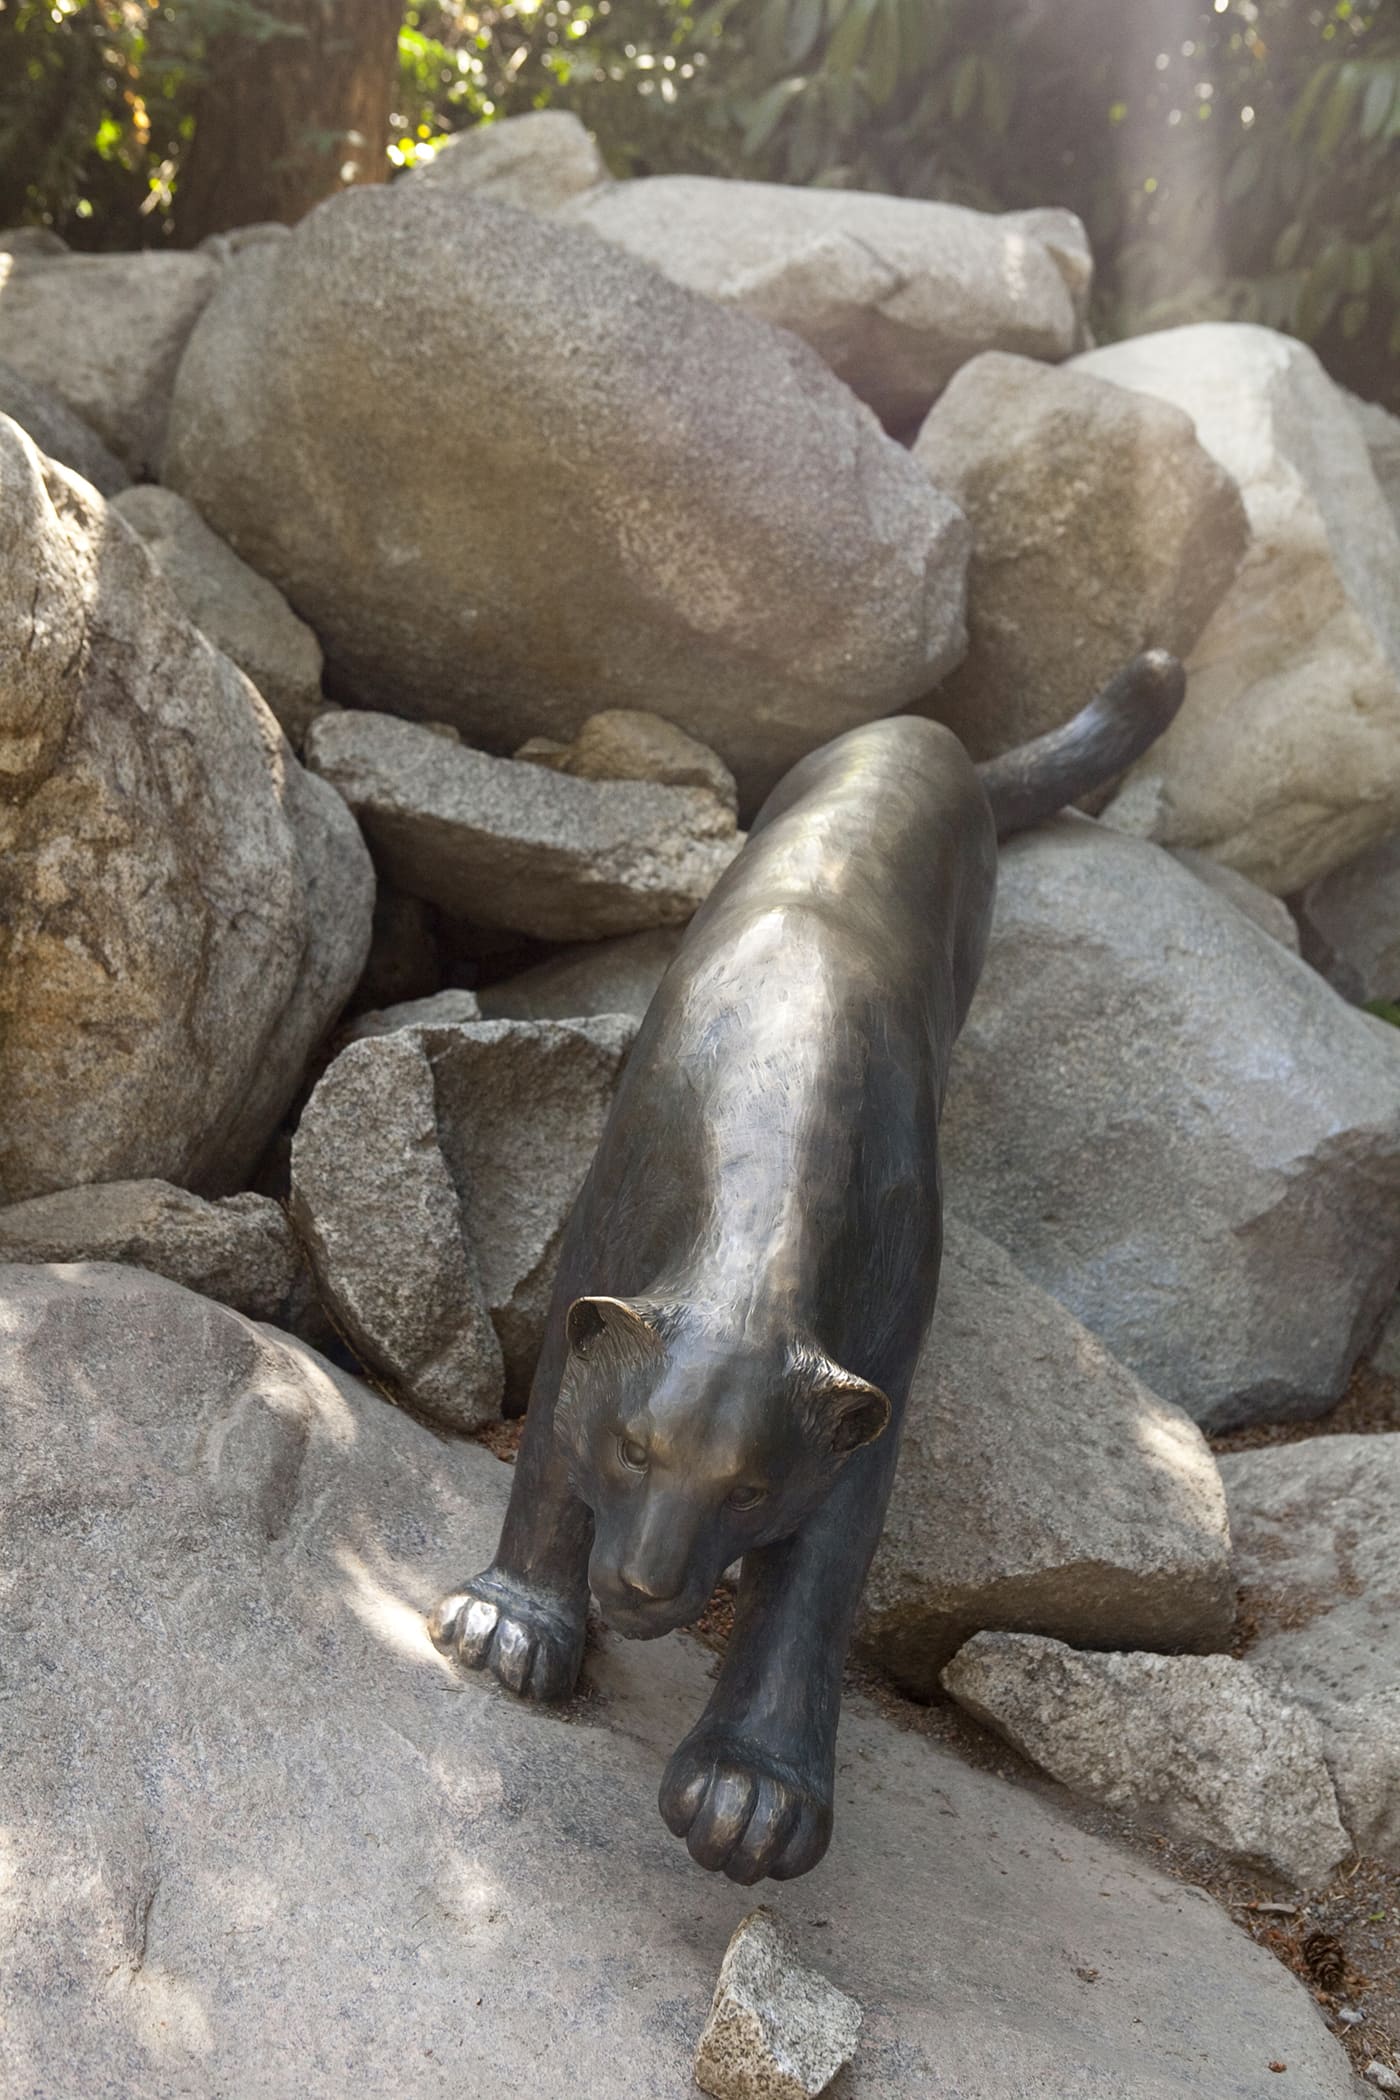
(751, 1266)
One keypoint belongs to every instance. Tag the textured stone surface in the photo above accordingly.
(1380, 432)
(1362, 1743)
(1350, 924)
(382, 1221)
(183, 910)
(1177, 1128)
(106, 333)
(405, 959)
(892, 292)
(1100, 527)
(439, 1008)
(626, 743)
(596, 977)
(779, 568)
(253, 1822)
(240, 611)
(1267, 911)
(1041, 1489)
(58, 432)
(512, 844)
(1285, 759)
(536, 161)
(433, 1171)
(778, 2030)
(240, 1249)
(1196, 1744)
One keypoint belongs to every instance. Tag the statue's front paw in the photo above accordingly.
(742, 1810)
(530, 1643)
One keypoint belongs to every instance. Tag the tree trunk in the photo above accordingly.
(289, 118)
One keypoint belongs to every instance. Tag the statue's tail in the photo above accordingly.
(1091, 749)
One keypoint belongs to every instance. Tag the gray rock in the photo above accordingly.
(240, 1249)
(630, 744)
(1381, 2076)
(1380, 432)
(254, 1822)
(1362, 1744)
(405, 958)
(433, 1171)
(106, 333)
(1100, 527)
(1350, 924)
(780, 569)
(1115, 1535)
(184, 909)
(441, 1009)
(536, 161)
(1267, 911)
(1385, 1356)
(382, 1220)
(1196, 1745)
(778, 2030)
(1177, 1128)
(1285, 759)
(58, 432)
(240, 611)
(31, 240)
(893, 293)
(512, 844)
(596, 977)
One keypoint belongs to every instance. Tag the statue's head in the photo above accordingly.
(694, 1442)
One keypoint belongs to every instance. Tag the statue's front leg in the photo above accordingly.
(750, 1788)
(523, 1618)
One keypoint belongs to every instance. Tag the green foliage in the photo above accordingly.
(1386, 1009)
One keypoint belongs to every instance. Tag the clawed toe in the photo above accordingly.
(530, 1646)
(742, 1811)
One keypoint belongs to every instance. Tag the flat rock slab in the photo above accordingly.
(1200, 1745)
(1177, 1128)
(507, 843)
(720, 531)
(1041, 1489)
(257, 1831)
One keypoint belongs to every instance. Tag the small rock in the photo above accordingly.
(1199, 1745)
(442, 1009)
(537, 161)
(1117, 1535)
(777, 2030)
(1296, 680)
(241, 612)
(1100, 527)
(626, 743)
(1350, 924)
(433, 1172)
(510, 844)
(106, 333)
(1384, 2079)
(240, 1249)
(1177, 1128)
(1268, 912)
(58, 432)
(894, 293)
(595, 977)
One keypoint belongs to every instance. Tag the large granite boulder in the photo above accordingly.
(106, 332)
(506, 843)
(1285, 759)
(57, 431)
(1100, 527)
(1177, 1128)
(260, 1837)
(433, 1172)
(1317, 1531)
(1041, 1489)
(240, 611)
(592, 977)
(623, 496)
(894, 293)
(1349, 924)
(1198, 1745)
(183, 910)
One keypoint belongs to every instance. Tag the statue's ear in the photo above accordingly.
(850, 1410)
(624, 1318)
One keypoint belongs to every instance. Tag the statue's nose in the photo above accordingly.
(655, 1587)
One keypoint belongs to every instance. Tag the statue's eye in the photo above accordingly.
(632, 1454)
(745, 1498)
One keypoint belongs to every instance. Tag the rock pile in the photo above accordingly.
(361, 765)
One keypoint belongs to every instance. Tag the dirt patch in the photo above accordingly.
(1370, 1406)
